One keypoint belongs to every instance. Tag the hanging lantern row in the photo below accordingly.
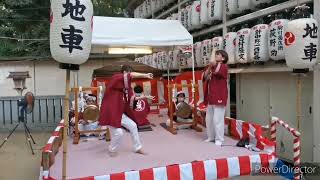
(145, 9)
(294, 41)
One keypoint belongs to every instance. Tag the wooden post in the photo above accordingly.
(298, 105)
(76, 137)
(66, 123)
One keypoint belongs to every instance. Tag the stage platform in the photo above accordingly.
(187, 152)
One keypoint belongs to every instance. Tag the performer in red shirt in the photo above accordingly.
(216, 96)
(117, 96)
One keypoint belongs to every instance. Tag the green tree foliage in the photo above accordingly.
(29, 19)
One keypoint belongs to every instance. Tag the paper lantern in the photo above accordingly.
(206, 51)
(170, 60)
(301, 43)
(175, 62)
(232, 7)
(165, 60)
(215, 10)
(242, 46)
(175, 16)
(153, 5)
(159, 60)
(259, 2)
(276, 39)
(245, 5)
(204, 15)
(148, 7)
(217, 44)
(154, 60)
(188, 17)
(195, 15)
(197, 54)
(70, 33)
(144, 9)
(258, 44)
(229, 44)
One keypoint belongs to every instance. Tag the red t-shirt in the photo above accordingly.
(140, 112)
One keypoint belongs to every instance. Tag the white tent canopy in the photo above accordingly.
(128, 32)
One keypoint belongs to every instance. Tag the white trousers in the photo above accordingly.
(117, 133)
(215, 122)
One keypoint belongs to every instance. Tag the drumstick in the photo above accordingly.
(153, 125)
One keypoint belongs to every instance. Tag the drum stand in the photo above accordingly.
(27, 132)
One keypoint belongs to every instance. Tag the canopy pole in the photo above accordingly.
(193, 73)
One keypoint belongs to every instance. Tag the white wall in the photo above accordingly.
(46, 77)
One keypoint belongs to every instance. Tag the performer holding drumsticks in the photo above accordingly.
(216, 95)
(117, 96)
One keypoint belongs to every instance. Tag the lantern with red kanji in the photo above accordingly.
(215, 10)
(206, 51)
(301, 43)
(258, 45)
(71, 31)
(276, 39)
(204, 15)
(229, 44)
(195, 15)
(242, 46)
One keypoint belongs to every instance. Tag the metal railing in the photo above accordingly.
(47, 112)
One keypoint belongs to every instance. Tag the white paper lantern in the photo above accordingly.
(197, 54)
(242, 46)
(153, 5)
(144, 9)
(301, 43)
(195, 15)
(276, 39)
(204, 15)
(170, 60)
(230, 46)
(165, 60)
(258, 2)
(159, 60)
(154, 60)
(175, 62)
(215, 10)
(232, 7)
(188, 17)
(245, 5)
(148, 7)
(181, 17)
(149, 60)
(175, 16)
(217, 44)
(206, 51)
(258, 44)
(70, 34)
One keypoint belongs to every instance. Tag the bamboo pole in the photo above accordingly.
(66, 117)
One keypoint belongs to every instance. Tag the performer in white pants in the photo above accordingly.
(216, 95)
(215, 127)
(117, 133)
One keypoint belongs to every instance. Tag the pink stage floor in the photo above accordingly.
(91, 157)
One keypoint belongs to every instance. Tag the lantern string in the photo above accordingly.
(19, 39)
